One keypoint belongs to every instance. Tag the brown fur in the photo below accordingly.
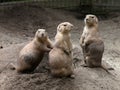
(60, 57)
(91, 43)
(31, 55)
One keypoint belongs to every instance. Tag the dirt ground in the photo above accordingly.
(17, 27)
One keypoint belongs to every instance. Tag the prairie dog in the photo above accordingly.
(60, 57)
(31, 55)
(91, 43)
(62, 38)
(90, 33)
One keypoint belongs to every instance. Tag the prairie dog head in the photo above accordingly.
(41, 34)
(91, 20)
(64, 27)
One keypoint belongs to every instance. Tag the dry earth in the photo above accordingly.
(17, 27)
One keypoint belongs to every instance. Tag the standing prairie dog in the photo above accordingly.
(31, 55)
(91, 43)
(60, 57)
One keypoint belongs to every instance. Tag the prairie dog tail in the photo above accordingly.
(5, 67)
(107, 69)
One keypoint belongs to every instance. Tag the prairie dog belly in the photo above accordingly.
(58, 59)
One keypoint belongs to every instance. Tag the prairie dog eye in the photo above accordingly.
(87, 19)
(38, 31)
(65, 25)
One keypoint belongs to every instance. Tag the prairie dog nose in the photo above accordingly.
(42, 34)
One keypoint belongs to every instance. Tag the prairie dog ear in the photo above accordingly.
(96, 19)
(59, 28)
(46, 34)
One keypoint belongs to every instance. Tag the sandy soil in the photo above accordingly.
(17, 27)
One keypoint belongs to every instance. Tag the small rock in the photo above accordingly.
(1, 47)
(11, 42)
